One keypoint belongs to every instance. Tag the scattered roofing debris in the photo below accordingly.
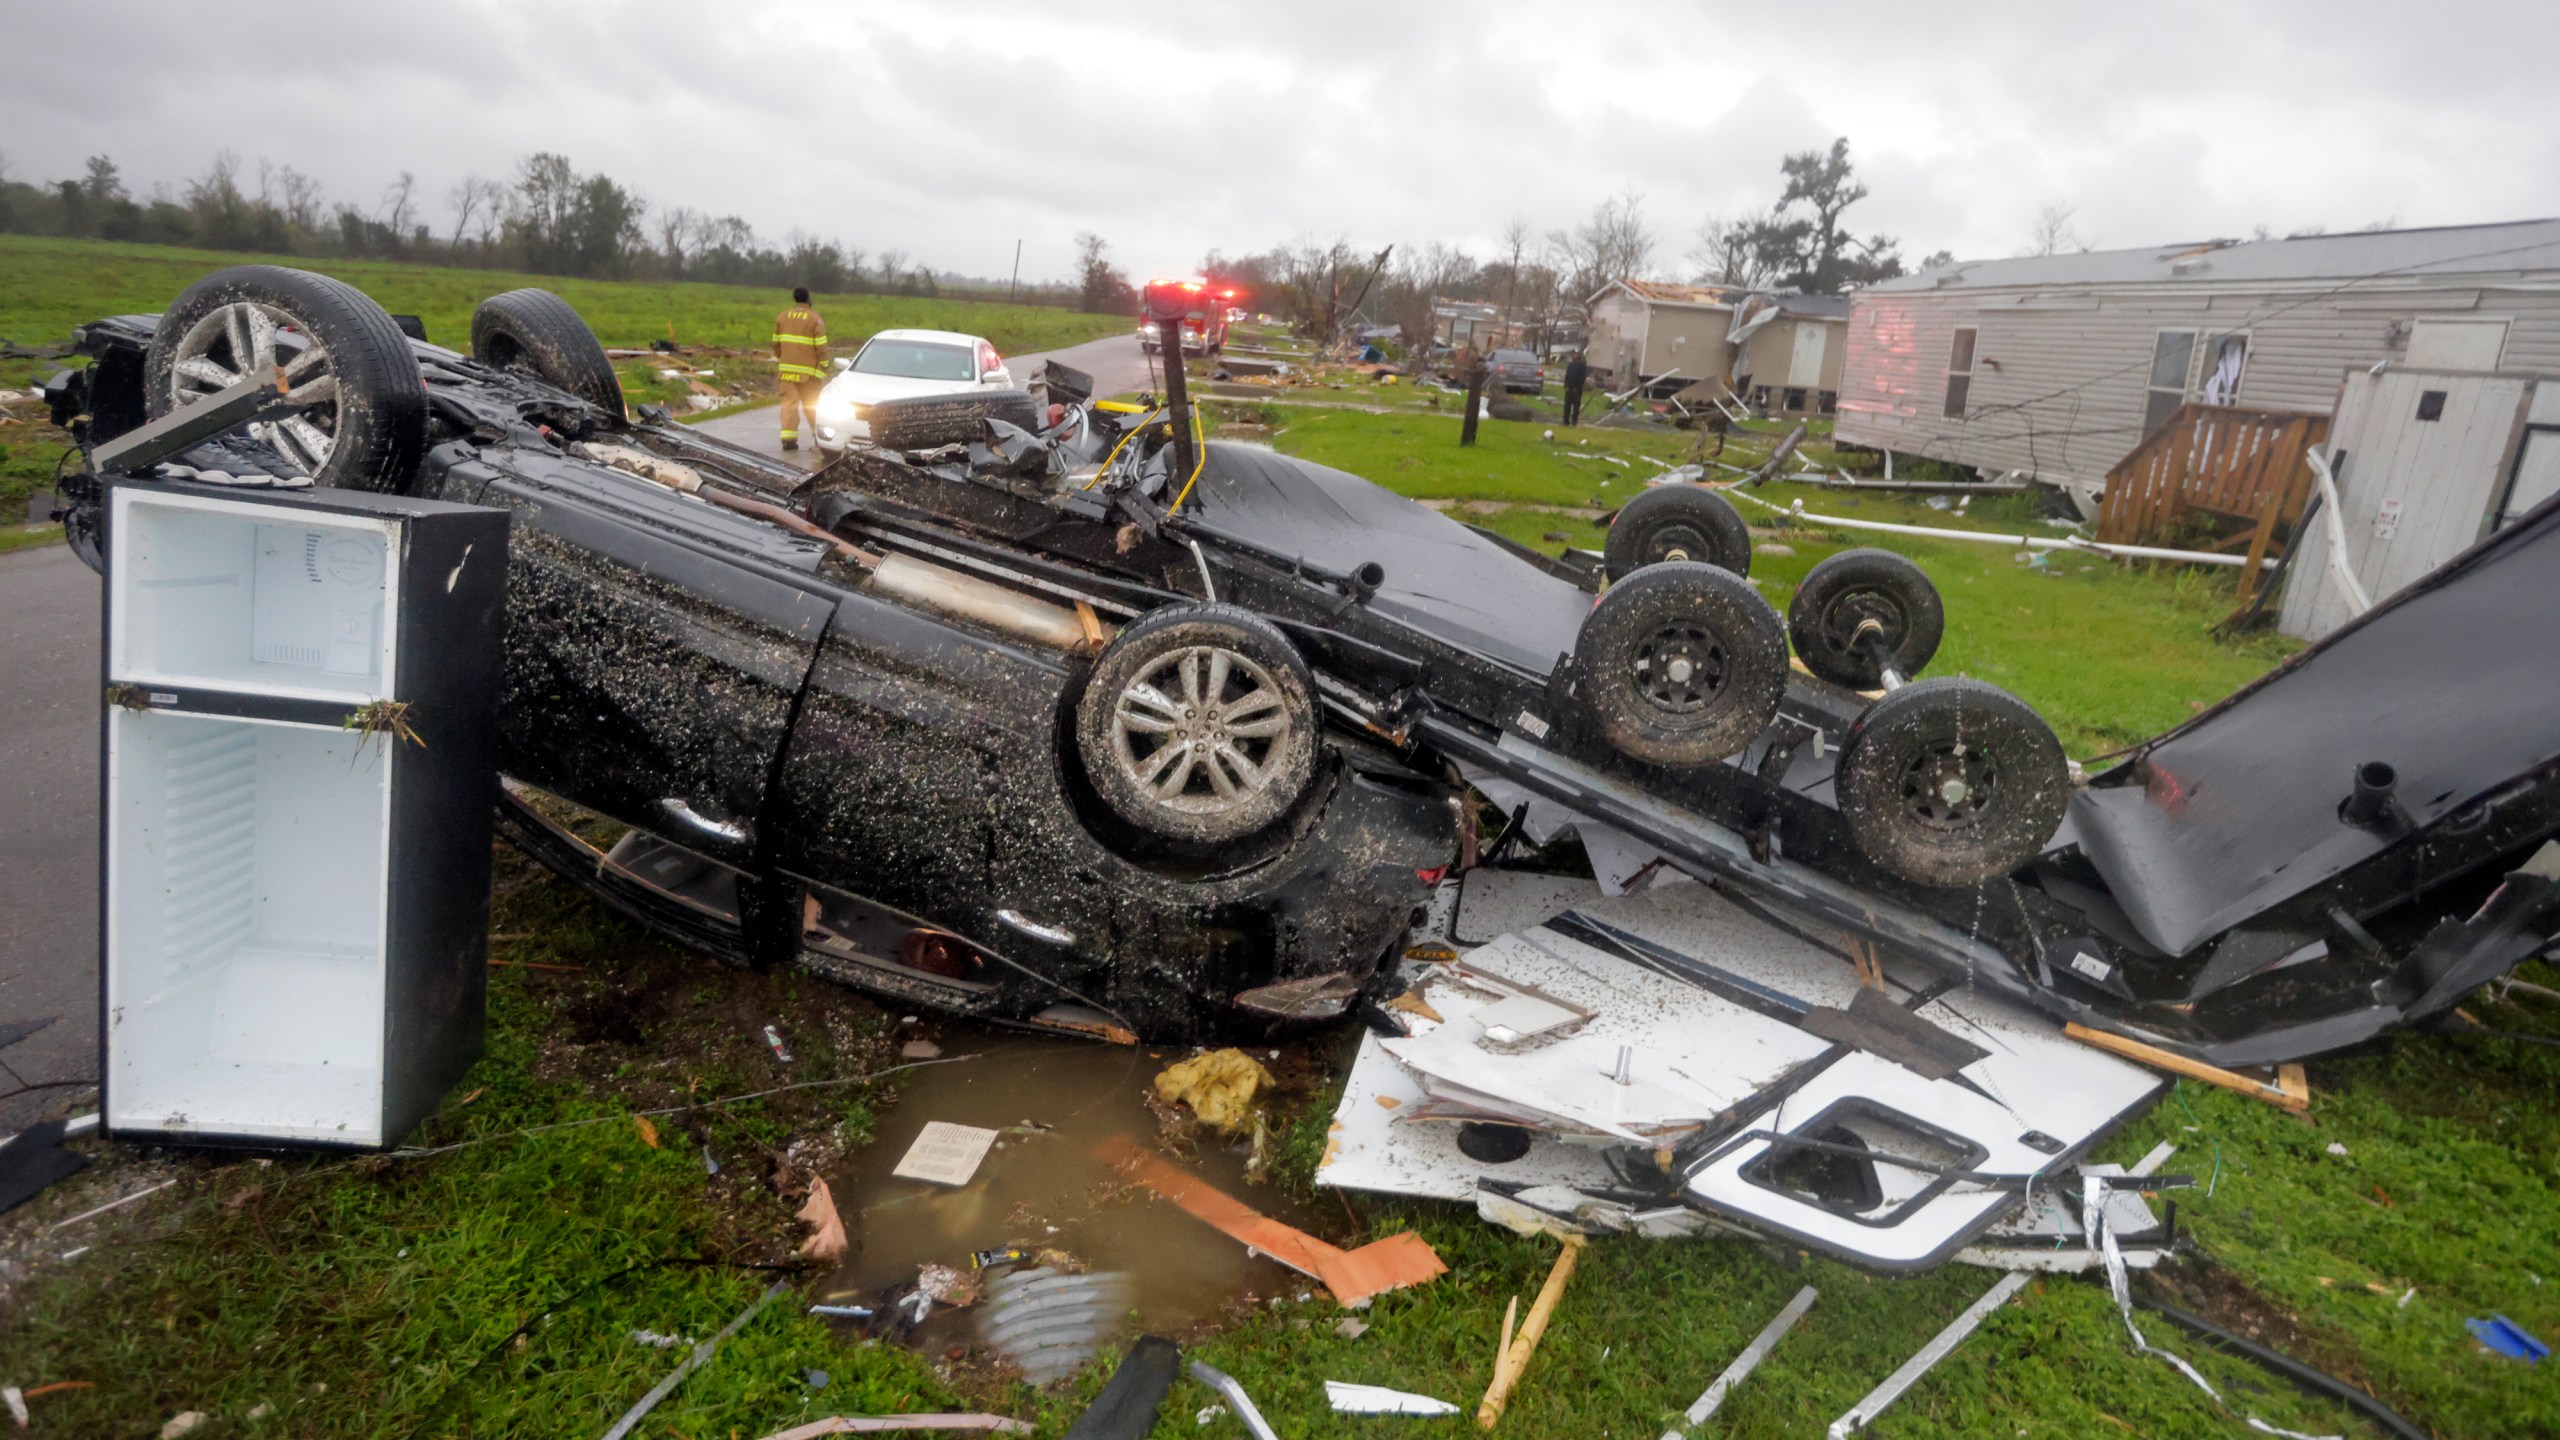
(701, 1353)
(946, 1154)
(1218, 1086)
(1236, 1397)
(33, 1159)
(892, 1424)
(1863, 1414)
(1347, 1398)
(1049, 1322)
(1764, 1088)
(1127, 1407)
(1743, 1364)
(1353, 1276)
(2506, 1337)
(1517, 1349)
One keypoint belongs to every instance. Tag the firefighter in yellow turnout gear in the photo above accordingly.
(800, 364)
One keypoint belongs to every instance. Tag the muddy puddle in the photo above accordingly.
(1042, 1188)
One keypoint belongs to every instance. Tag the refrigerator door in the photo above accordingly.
(248, 866)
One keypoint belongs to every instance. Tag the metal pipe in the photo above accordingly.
(2014, 542)
(2337, 534)
(1863, 1414)
(1743, 1364)
(933, 587)
(1225, 1384)
(949, 592)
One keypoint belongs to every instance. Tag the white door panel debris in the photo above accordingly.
(1629, 1058)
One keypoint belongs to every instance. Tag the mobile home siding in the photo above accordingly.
(1688, 339)
(2061, 374)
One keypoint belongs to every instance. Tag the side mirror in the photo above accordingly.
(840, 365)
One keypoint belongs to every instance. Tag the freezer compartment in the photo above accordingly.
(263, 600)
(248, 866)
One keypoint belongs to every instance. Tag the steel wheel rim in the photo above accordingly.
(1949, 785)
(1678, 542)
(234, 342)
(1680, 668)
(1842, 618)
(1202, 730)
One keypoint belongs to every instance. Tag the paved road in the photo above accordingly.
(1116, 364)
(48, 824)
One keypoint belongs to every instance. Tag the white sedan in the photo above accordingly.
(895, 364)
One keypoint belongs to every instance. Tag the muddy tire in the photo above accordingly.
(367, 424)
(536, 333)
(1677, 522)
(1951, 782)
(1844, 595)
(927, 422)
(1681, 663)
(1199, 724)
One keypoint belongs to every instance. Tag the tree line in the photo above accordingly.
(1543, 279)
(547, 217)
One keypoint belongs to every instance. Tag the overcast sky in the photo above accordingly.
(952, 130)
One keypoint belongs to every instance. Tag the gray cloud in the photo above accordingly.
(951, 131)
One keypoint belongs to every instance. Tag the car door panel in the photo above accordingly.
(908, 728)
(649, 679)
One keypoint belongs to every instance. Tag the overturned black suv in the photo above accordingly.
(1059, 716)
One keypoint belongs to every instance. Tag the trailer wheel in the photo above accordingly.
(365, 422)
(1681, 663)
(926, 422)
(1199, 724)
(1677, 522)
(1951, 782)
(537, 333)
(1832, 612)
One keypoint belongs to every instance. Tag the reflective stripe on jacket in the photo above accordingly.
(800, 344)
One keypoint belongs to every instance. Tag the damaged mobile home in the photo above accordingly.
(1070, 720)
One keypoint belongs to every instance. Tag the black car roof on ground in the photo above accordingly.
(1442, 578)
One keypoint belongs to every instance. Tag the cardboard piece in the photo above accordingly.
(945, 1154)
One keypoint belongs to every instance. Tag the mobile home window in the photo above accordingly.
(2173, 354)
(2218, 379)
(1959, 372)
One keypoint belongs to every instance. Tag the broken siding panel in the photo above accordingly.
(1618, 324)
(2533, 339)
(1835, 347)
(1688, 340)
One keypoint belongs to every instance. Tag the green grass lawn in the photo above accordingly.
(2108, 653)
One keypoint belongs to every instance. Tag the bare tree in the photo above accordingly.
(1614, 244)
(2053, 233)
(677, 225)
(891, 264)
(1516, 240)
(1425, 273)
(297, 196)
(398, 208)
(1727, 251)
(473, 198)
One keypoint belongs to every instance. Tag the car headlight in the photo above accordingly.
(826, 432)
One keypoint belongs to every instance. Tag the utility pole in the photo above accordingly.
(1013, 287)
